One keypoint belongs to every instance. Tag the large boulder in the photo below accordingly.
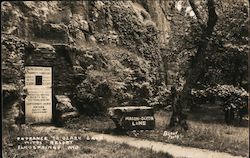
(133, 117)
(64, 109)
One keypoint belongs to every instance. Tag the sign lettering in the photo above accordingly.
(38, 103)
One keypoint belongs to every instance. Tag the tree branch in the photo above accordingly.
(197, 13)
(212, 17)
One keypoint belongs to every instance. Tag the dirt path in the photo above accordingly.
(175, 150)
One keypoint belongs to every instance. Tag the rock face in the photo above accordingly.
(107, 52)
(64, 109)
(82, 21)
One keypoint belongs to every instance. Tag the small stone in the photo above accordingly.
(69, 115)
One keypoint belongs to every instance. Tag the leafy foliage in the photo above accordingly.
(225, 60)
(231, 97)
(222, 91)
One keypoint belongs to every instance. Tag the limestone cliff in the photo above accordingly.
(107, 51)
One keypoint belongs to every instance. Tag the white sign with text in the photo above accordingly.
(38, 103)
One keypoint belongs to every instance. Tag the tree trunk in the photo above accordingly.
(196, 67)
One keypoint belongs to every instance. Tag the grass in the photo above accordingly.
(87, 148)
(213, 136)
(97, 124)
(207, 130)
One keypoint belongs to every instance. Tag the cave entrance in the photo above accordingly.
(38, 103)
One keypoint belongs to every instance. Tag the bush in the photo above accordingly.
(228, 94)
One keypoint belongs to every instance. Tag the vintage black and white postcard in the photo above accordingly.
(125, 79)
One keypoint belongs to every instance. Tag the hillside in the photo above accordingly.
(112, 53)
(112, 45)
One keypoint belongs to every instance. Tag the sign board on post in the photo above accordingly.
(38, 103)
